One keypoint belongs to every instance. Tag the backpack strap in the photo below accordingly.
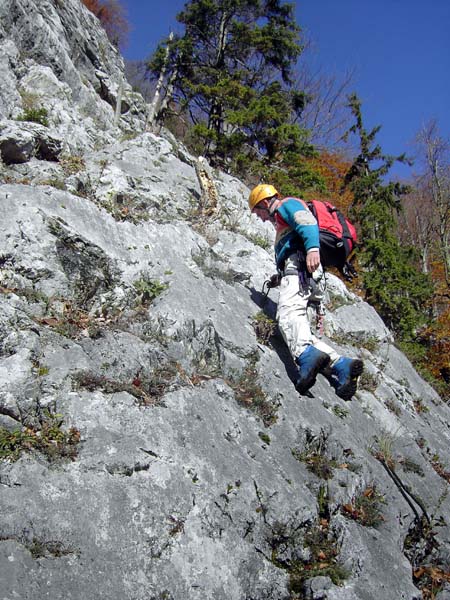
(312, 208)
(346, 235)
(342, 220)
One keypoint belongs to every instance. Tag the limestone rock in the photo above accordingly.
(19, 142)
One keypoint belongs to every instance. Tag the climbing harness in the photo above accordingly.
(307, 283)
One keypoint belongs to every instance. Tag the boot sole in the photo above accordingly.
(307, 383)
(348, 390)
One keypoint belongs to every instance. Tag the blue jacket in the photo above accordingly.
(296, 229)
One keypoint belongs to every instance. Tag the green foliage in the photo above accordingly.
(383, 449)
(417, 354)
(35, 115)
(49, 439)
(294, 175)
(43, 549)
(340, 411)
(148, 389)
(260, 241)
(250, 394)
(368, 381)
(231, 71)
(316, 463)
(264, 327)
(370, 342)
(410, 466)
(42, 370)
(393, 407)
(315, 455)
(264, 437)
(324, 549)
(149, 289)
(54, 182)
(365, 508)
(392, 281)
(321, 543)
(72, 164)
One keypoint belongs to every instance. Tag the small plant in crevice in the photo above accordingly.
(421, 442)
(72, 322)
(29, 294)
(409, 466)
(348, 463)
(309, 549)
(383, 452)
(419, 406)
(54, 182)
(336, 300)
(72, 164)
(368, 381)
(382, 449)
(176, 526)
(249, 393)
(231, 219)
(365, 508)
(32, 109)
(34, 115)
(203, 224)
(129, 135)
(393, 407)
(439, 468)
(41, 370)
(315, 455)
(339, 338)
(265, 327)
(40, 548)
(421, 548)
(370, 342)
(259, 240)
(147, 389)
(340, 411)
(125, 207)
(49, 438)
(149, 289)
(264, 437)
(323, 561)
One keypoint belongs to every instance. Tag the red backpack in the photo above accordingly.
(337, 236)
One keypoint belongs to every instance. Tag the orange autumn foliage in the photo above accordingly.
(437, 337)
(112, 17)
(333, 166)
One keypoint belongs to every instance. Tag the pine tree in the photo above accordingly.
(392, 281)
(231, 70)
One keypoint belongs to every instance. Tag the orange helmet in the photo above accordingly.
(261, 192)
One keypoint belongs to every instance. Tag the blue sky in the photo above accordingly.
(399, 51)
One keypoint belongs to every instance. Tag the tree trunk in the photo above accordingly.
(215, 121)
(118, 103)
(436, 150)
(152, 113)
(169, 93)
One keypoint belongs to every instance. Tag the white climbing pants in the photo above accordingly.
(292, 314)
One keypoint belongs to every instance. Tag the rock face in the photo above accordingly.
(152, 447)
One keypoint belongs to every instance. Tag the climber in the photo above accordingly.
(302, 281)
